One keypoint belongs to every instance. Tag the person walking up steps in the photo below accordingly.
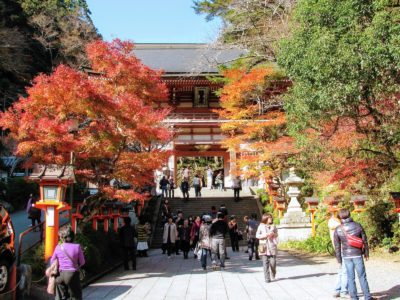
(233, 233)
(205, 240)
(267, 233)
(196, 185)
(209, 178)
(218, 231)
(127, 235)
(351, 245)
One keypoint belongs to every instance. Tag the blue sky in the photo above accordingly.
(152, 21)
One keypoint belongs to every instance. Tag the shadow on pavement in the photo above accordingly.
(393, 293)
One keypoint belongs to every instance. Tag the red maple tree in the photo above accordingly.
(108, 118)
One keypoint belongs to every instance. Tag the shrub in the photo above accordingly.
(18, 191)
(35, 258)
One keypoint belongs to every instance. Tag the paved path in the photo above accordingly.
(160, 278)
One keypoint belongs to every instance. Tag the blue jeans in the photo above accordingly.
(353, 264)
(341, 282)
(204, 253)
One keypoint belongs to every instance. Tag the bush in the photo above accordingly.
(35, 258)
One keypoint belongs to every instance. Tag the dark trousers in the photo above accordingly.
(234, 241)
(169, 247)
(236, 193)
(197, 190)
(129, 253)
(185, 195)
(252, 246)
(185, 247)
(35, 220)
(68, 286)
(177, 246)
(171, 193)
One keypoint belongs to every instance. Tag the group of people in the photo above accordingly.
(206, 236)
(351, 248)
(168, 186)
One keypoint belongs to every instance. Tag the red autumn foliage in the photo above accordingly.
(107, 120)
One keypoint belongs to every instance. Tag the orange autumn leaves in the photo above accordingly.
(250, 128)
(107, 120)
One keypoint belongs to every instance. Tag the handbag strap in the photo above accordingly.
(69, 257)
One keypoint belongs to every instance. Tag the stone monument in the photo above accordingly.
(294, 225)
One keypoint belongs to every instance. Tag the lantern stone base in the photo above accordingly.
(294, 232)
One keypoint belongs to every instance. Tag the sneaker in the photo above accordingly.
(267, 280)
(345, 296)
(227, 257)
(273, 277)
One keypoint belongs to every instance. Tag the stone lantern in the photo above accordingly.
(359, 202)
(294, 225)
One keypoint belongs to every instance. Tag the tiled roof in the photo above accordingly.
(185, 58)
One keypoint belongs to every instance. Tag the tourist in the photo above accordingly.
(209, 178)
(164, 184)
(233, 233)
(165, 211)
(184, 237)
(267, 234)
(185, 189)
(143, 234)
(252, 241)
(171, 190)
(70, 258)
(351, 254)
(194, 233)
(196, 185)
(202, 184)
(341, 287)
(236, 186)
(218, 231)
(205, 240)
(191, 221)
(34, 213)
(213, 212)
(186, 174)
(179, 224)
(169, 236)
(219, 181)
(127, 235)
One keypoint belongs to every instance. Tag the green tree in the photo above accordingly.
(344, 58)
(255, 25)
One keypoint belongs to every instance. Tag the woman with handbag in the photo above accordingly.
(70, 259)
(267, 234)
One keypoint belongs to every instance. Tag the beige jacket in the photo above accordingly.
(263, 232)
(173, 234)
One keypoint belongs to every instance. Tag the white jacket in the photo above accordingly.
(173, 234)
(272, 242)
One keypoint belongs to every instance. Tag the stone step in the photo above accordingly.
(197, 206)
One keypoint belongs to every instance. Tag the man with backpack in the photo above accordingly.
(351, 245)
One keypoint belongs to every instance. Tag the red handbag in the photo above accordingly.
(353, 241)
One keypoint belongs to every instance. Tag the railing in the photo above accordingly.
(193, 116)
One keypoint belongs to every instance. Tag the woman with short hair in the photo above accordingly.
(267, 234)
(70, 258)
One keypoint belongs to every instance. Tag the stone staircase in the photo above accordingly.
(244, 207)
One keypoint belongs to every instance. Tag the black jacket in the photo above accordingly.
(219, 229)
(126, 236)
(342, 248)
